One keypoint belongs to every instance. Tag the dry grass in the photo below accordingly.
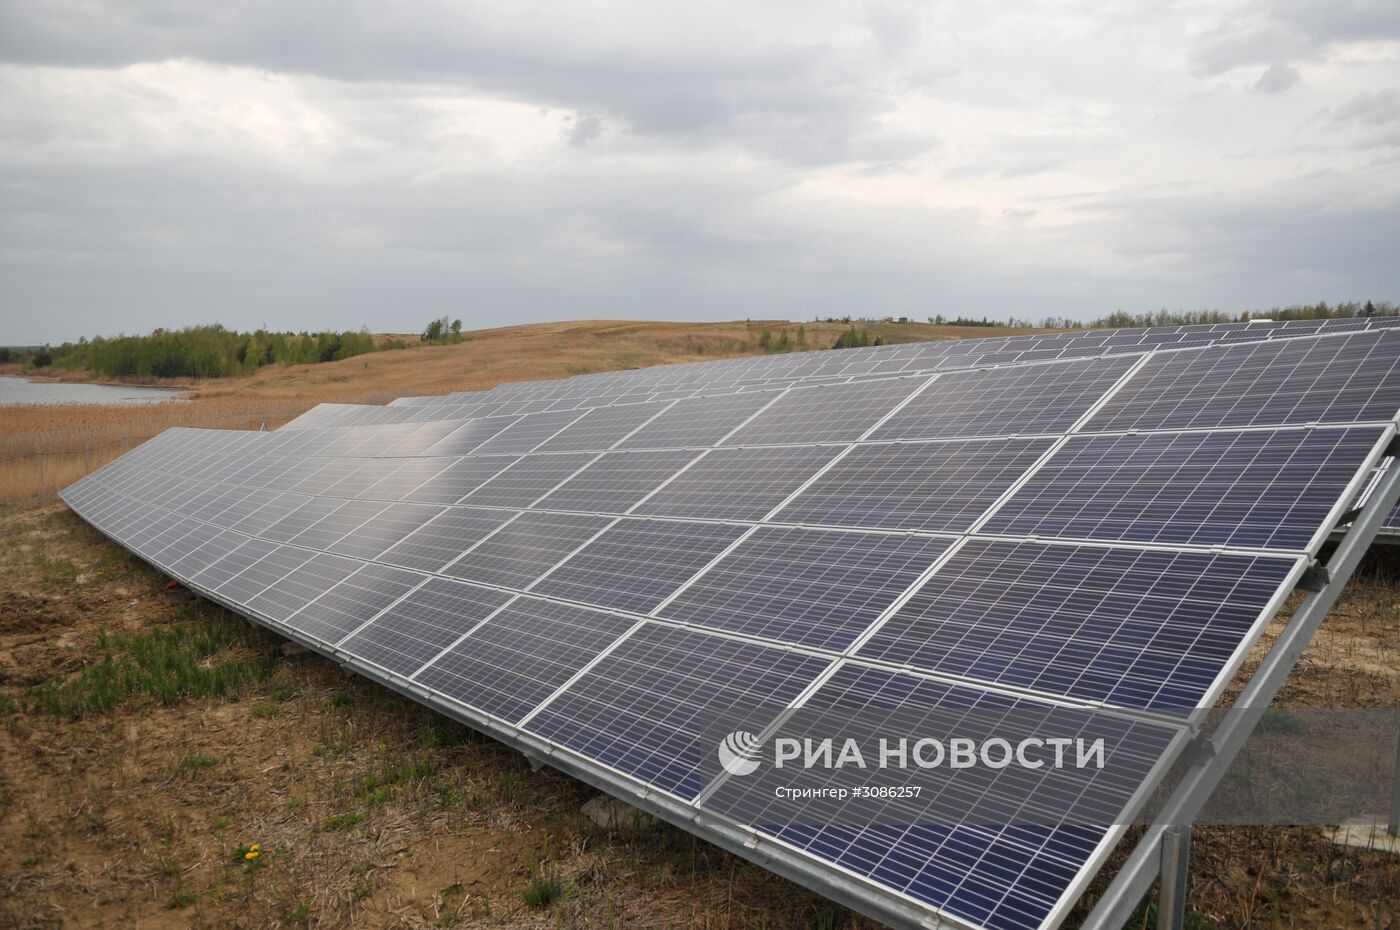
(77, 439)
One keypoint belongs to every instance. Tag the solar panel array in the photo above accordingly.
(1102, 521)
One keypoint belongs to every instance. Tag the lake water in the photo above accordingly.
(14, 391)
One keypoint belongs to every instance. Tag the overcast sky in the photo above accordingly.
(338, 163)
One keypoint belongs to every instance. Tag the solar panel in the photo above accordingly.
(515, 659)
(1028, 399)
(614, 482)
(737, 484)
(525, 548)
(469, 436)
(657, 705)
(1139, 628)
(1266, 488)
(306, 581)
(785, 536)
(807, 587)
(835, 413)
(634, 565)
(459, 479)
(389, 527)
(221, 572)
(528, 479)
(698, 422)
(412, 632)
(330, 528)
(527, 432)
(442, 539)
(924, 486)
(353, 602)
(600, 428)
(942, 846)
(1334, 380)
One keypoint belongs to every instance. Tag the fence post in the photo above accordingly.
(87, 457)
(43, 461)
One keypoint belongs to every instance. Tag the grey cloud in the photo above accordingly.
(1266, 32)
(783, 98)
(584, 130)
(1278, 78)
(1375, 109)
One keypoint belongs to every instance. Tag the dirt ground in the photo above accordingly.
(149, 739)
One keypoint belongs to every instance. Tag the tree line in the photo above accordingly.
(200, 352)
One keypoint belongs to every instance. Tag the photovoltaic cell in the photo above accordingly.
(1021, 400)
(521, 656)
(444, 538)
(410, 633)
(459, 479)
(817, 588)
(301, 586)
(930, 847)
(524, 549)
(616, 481)
(469, 436)
(409, 475)
(527, 432)
(217, 545)
(266, 571)
(658, 705)
(343, 608)
(600, 428)
(697, 422)
(1344, 379)
(311, 512)
(828, 413)
(1136, 628)
(391, 526)
(636, 564)
(1261, 488)
(737, 484)
(328, 529)
(921, 486)
(225, 569)
(528, 479)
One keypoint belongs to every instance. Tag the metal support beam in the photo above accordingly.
(1393, 828)
(1135, 877)
(1175, 869)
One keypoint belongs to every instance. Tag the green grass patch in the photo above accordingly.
(341, 822)
(165, 664)
(197, 763)
(543, 891)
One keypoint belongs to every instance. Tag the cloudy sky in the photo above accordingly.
(332, 163)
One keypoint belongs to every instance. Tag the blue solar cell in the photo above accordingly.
(827, 413)
(521, 655)
(1249, 489)
(1137, 628)
(615, 481)
(342, 608)
(994, 846)
(412, 632)
(921, 486)
(1020, 400)
(1343, 379)
(658, 705)
(810, 587)
(525, 548)
(737, 484)
(637, 564)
